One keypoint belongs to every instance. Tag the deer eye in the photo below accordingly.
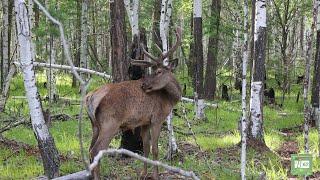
(159, 71)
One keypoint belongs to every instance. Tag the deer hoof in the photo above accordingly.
(143, 175)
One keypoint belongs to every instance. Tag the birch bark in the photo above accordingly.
(244, 90)
(46, 144)
(5, 41)
(256, 99)
(84, 37)
(165, 17)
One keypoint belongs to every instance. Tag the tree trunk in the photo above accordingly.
(255, 132)
(77, 42)
(46, 144)
(198, 48)
(5, 41)
(51, 75)
(120, 62)
(244, 92)
(84, 37)
(253, 14)
(316, 77)
(210, 76)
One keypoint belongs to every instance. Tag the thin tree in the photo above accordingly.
(244, 92)
(46, 144)
(165, 18)
(210, 76)
(5, 41)
(84, 36)
(255, 132)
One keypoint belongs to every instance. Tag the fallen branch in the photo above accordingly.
(86, 174)
(65, 67)
(192, 101)
(15, 124)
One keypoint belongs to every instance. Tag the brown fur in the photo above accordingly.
(129, 104)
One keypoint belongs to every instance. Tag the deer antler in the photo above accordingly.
(169, 52)
(175, 46)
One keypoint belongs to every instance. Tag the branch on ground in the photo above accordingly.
(85, 174)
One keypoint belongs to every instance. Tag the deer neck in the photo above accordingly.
(173, 89)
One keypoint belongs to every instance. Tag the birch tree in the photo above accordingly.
(5, 41)
(165, 17)
(84, 35)
(256, 96)
(244, 92)
(198, 58)
(46, 144)
(133, 14)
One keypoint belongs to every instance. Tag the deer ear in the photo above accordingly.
(173, 64)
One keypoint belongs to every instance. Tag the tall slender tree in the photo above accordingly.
(46, 144)
(255, 132)
(84, 36)
(210, 76)
(244, 92)
(5, 41)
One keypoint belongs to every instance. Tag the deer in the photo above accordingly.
(145, 102)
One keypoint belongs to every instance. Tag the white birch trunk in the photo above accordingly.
(51, 78)
(255, 107)
(199, 103)
(256, 99)
(45, 141)
(5, 38)
(84, 36)
(133, 14)
(165, 17)
(244, 90)
(199, 106)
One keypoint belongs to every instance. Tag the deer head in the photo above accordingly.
(162, 75)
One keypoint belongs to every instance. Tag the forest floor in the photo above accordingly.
(213, 152)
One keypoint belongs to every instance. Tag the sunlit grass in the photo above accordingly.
(219, 131)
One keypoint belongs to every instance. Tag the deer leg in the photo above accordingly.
(155, 132)
(145, 134)
(108, 130)
(95, 134)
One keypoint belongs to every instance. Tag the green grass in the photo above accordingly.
(218, 137)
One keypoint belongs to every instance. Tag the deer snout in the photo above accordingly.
(146, 87)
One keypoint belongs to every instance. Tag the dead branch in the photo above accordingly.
(65, 67)
(12, 125)
(86, 174)
(192, 101)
